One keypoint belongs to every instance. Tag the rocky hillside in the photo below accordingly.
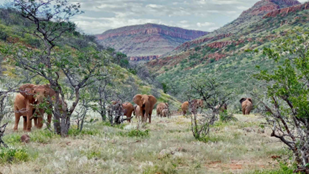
(146, 42)
(15, 30)
(224, 56)
(246, 19)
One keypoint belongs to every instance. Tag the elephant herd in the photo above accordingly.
(30, 96)
(246, 105)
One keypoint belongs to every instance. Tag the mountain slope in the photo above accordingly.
(224, 56)
(146, 42)
(247, 18)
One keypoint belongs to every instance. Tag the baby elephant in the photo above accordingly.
(166, 113)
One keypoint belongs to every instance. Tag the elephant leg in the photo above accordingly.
(29, 117)
(17, 117)
(25, 123)
(40, 123)
(40, 119)
(129, 118)
(35, 119)
(29, 124)
(247, 111)
(244, 111)
(149, 118)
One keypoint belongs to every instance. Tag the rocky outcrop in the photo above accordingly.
(187, 45)
(144, 58)
(149, 40)
(286, 11)
(219, 44)
(265, 6)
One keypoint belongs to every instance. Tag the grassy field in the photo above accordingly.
(167, 147)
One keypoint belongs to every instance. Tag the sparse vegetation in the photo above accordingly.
(9, 155)
(169, 147)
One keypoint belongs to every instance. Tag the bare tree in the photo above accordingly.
(2, 130)
(213, 95)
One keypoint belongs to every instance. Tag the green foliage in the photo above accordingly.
(226, 117)
(165, 87)
(12, 139)
(75, 132)
(43, 136)
(135, 133)
(9, 155)
(197, 48)
(119, 126)
(288, 92)
(284, 169)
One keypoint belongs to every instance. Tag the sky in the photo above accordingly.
(205, 15)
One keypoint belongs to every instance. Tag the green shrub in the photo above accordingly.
(119, 126)
(284, 169)
(8, 155)
(42, 136)
(226, 117)
(135, 133)
(12, 139)
(75, 132)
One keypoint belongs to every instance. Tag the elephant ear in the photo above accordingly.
(250, 99)
(137, 99)
(242, 100)
(152, 100)
(27, 90)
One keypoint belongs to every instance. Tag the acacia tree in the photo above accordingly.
(214, 96)
(286, 106)
(79, 67)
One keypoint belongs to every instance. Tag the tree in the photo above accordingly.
(79, 67)
(214, 96)
(285, 103)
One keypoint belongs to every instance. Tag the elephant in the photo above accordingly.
(20, 109)
(127, 109)
(166, 113)
(146, 104)
(33, 95)
(160, 107)
(185, 107)
(196, 103)
(222, 108)
(137, 111)
(246, 105)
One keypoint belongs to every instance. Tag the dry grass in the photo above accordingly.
(236, 147)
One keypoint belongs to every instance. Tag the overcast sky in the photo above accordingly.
(206, 15)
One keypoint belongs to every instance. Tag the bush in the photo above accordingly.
(12, 139)
(284, 169)
(119, 126)
(226, 117)
(75, 132)
(135, 133)
(42, 136)
(8, 155)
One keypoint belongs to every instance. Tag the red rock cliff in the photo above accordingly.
(286, 11)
